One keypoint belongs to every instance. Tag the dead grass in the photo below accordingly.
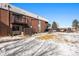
(47, 37)
(54, 38)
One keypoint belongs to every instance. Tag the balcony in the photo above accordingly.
(19, 21)
(16, 32)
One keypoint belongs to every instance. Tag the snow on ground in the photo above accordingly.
(10, 38)
(43, 44)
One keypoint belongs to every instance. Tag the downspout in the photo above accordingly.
(9, 19)
(0, 11)
(0, 18)
(0, 15)
(38, 23)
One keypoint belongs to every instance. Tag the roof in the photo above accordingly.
(20, 11)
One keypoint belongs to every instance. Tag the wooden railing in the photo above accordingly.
(16, 32)
(19, 21)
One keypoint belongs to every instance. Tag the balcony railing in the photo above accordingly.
(26, 31)
(22, 21)
(16, 32)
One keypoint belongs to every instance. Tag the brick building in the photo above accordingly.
(14, 20)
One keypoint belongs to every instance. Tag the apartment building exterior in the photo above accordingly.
(14, 20)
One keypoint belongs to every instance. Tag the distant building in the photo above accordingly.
(14, 21)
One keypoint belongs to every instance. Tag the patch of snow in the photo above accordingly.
(66, 44)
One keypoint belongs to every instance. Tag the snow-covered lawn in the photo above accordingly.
(43, 44)
(11, 38)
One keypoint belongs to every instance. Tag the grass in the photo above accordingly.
(47, 37)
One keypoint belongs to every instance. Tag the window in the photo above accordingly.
(15, 28)
(17, 16)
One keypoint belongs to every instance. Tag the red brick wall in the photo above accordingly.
(4, 22)
(43, 25)
(35, 25)
(5, 17)
(32, 22)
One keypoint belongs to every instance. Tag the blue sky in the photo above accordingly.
(62, 13)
